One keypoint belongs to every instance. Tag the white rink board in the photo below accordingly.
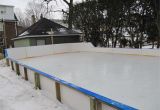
(21, 69)
(36, 51)
(74, 99)
(48, 87)
(17, 53)
(106, 107)
(39, 50)
(129, 79)
(31, 76)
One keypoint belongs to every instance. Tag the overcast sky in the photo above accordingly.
(21, 4)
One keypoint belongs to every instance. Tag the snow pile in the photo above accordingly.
(18, 94)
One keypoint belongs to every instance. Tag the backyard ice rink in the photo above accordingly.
(130, 79)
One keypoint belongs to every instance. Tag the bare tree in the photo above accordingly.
(22, 19)
(70, 17)
(36, 8)
(69, 3)
(20, 16)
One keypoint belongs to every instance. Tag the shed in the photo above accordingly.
(46, 32)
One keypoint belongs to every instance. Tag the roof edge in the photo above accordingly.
(35, 36)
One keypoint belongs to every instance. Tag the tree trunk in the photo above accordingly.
(153, 45)
(141, 40)
(107, 42)
(112, 41)
(158, 23)
(158, 26)
(70, 19)
(115, 42)
(158, 42)
(132, 41)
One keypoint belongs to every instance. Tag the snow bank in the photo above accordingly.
(17, 94)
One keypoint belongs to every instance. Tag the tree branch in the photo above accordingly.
(60, 11)
(66, 2)
(64, 12)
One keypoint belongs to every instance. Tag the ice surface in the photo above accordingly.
(129, 79)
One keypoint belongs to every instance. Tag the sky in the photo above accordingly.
(21, 4)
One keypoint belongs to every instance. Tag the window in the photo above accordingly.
(40, 42)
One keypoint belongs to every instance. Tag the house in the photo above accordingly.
(46, 32)
(8, 26)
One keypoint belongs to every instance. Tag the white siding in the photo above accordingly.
(6, 12)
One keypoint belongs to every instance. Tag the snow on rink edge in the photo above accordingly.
(17, 94)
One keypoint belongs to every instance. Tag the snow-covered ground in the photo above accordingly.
(150, 47)
(18, 94)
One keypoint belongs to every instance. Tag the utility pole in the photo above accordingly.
(52, 35)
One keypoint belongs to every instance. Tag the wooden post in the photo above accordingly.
(7, 62)
(12, 65)
(58, 91)
(92, 103)
(37, 81)
(25, 74)
(95, 104)
(98, 105)
(17, 69)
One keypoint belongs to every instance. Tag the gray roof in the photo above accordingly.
(47, 27)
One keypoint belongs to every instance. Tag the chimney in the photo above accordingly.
(33, 19)
(41, 16)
